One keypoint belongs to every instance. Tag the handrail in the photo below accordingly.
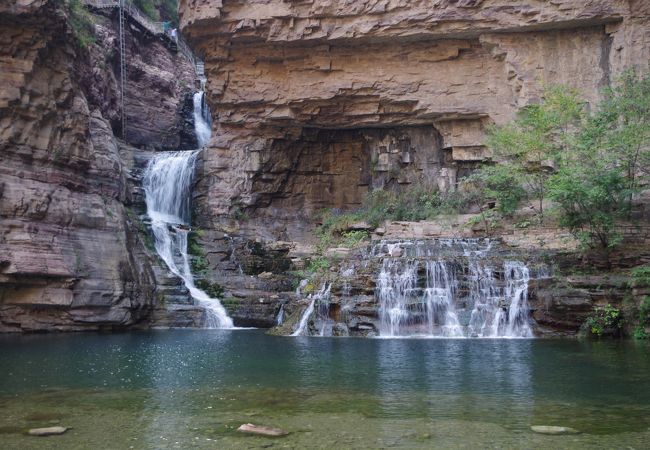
(155, 28)
(132, 10)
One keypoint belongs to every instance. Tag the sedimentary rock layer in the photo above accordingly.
(70, 257)
(277, 70)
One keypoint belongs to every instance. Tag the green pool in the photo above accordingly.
(192, 389)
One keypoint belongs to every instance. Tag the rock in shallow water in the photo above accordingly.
(49, 431)
(249, 428)
(548, 429)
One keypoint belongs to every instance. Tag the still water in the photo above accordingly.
(192, 389)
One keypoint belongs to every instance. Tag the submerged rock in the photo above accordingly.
(249, 428)
(549, 429)
(49, 431)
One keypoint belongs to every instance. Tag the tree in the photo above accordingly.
(600, 170)
(531, 145)
(622, 129)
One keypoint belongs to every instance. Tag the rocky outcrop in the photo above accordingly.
(71, 255)
(280, 73)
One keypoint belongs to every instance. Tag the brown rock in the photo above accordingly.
(320, 102)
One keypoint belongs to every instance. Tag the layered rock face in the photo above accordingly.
(289, 81)
(70, 255)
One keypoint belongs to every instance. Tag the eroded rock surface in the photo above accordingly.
(280, 72)
(71, 257)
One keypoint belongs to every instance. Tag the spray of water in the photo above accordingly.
(167, 184)
(202, 119)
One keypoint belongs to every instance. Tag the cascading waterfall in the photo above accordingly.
(279, 320)
(202, 119)
(431, 287)
(167, 184)
(322, 297)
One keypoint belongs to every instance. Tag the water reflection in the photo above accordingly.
(177, 380)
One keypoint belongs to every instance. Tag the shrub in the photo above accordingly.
(82, 22)
(214, 290)
(644, 319)
(604, 319)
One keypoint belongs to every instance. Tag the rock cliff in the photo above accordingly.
(318, 102)
(71, 257)
(289, 81)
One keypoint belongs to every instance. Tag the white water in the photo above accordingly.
(305, 318)
(418, 291)
(202, 120)
(167, 184)
(279, 320)
(322, 297)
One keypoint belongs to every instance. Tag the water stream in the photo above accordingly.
(202, 119)
(167, 183)
(451, 288)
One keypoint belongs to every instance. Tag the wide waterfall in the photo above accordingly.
(450, 288)
(202, 119)
(167, 184)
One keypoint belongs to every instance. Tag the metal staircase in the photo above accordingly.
(126, 10)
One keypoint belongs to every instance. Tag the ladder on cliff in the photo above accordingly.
(122, 67)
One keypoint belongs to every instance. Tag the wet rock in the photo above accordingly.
(260, 430)
(553, 430)
(48, 431)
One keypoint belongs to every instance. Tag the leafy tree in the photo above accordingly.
(621, 128)
(531, 144)
(495, 182)
(601, 170)
(591, 197)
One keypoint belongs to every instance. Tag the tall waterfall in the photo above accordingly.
(450, 288)
(202, 119)
(167, 185)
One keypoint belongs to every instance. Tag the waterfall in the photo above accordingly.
(167, 184)
(305, 317)
(202, 119)
(279, 320)
(450, 288)
(322, 297)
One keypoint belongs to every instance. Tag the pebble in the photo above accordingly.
(249, 428)
(549, 429)
(49, 431)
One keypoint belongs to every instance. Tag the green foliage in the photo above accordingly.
(354, 238)
(199, 264)
(82, 22)
(498, 183)
(644, 319)
(605, 164)
(318, 264)
(198, 261)
(528, 147)
(166, 10)
(148, 7)
(622, 128)
(591, 199)
(604, 319)
(641, 276)
(214, 290)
